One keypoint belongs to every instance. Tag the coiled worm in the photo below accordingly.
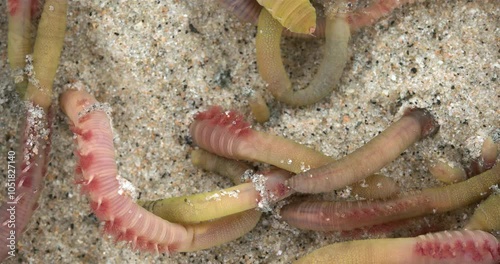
(124, 219)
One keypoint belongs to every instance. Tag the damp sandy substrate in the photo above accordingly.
(159, 62)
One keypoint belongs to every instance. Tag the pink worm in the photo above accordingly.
(248, 11)
(127, 221)
(343, 215)
(31, 167)
(446, 247)
(13, 6)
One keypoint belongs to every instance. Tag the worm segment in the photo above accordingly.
(416, 124)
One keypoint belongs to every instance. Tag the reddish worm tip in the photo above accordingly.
(428, 123)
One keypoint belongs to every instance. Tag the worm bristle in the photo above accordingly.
(101, 208)
(210, 113)
(83, 119)
(219, 131)
(25, 181)
(217, 116)
(88, 186)
(474, 245)
(85, 160)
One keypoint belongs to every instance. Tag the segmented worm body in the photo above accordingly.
(25, 189)
(249, 10)
(47, 51)
(20, 13)
(416, 124)
(264, 189)
(271, 69)
(225, 133)
(296, 15)
(125, 219)
(441, 248)
(258, 107)
(447, 172)
(344, 215)
(487, 214)
(232, 169)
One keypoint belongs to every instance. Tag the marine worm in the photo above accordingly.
(248, 11)
(271, 69)
(123, 218)
(462, 246)
(416, 124)
(226, 134)
(259, 108)
(25, 182)
(264, 189)
(20, 38)
(447, 172)
(487, 214)
(345, 215)
(47, 51)
(298, 16)
(486, 160)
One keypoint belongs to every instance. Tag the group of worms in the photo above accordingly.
(226, 142)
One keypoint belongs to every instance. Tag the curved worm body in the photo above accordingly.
(487, 214)
(341, 216)
(486, 160)
(416, 124)
(441, 248)
(271, 69)
(25, 182)
(296, 15)
(265, 189)
(258, 107)
(124, 219)
(447, 172)
(226, 134)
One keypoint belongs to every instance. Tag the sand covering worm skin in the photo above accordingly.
(226, 134)
(20, 33)
(31, 167)
(441, 248)
(127, 221)
(344, 215)
(264, 189)
(416, 124)
(271, 69)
